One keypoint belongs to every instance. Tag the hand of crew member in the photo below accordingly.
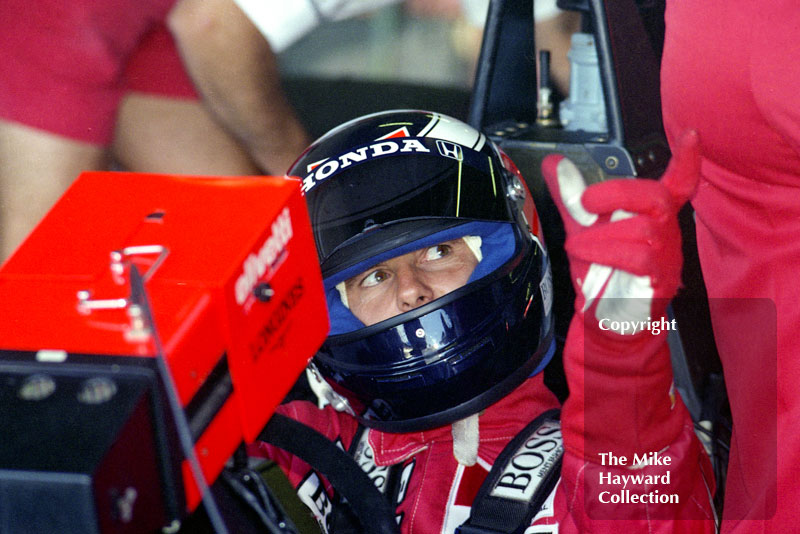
(623, 239)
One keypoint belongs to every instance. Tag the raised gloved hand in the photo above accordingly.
(624, 248)
(623, 240)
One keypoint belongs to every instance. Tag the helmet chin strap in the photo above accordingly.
(465, 440)
(324, 392)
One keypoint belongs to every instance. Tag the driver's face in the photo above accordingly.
(409, 281)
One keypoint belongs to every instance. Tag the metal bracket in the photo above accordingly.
(121, 265)
(120, 259)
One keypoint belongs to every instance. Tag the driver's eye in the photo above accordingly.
(374, 278)
(437, 252)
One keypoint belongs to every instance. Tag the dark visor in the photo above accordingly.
(429, 193)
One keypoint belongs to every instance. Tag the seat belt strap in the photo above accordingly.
(521, 479)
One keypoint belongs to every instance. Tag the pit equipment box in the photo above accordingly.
(148, 326)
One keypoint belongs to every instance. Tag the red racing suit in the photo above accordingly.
(436, 492)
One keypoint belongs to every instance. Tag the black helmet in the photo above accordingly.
(397, 181)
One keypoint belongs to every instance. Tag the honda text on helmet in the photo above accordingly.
(400, 190)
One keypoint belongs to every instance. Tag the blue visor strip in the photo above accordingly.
(497, 246)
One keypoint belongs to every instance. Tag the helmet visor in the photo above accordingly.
(429, 193)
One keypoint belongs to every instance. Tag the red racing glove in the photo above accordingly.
(624, 249)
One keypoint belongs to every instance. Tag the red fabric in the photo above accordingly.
(64, 63)
(156, 67)
(730, 72)
(439, 490)
(578, 508)
(436, 480)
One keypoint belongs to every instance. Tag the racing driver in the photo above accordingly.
(439, 293)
